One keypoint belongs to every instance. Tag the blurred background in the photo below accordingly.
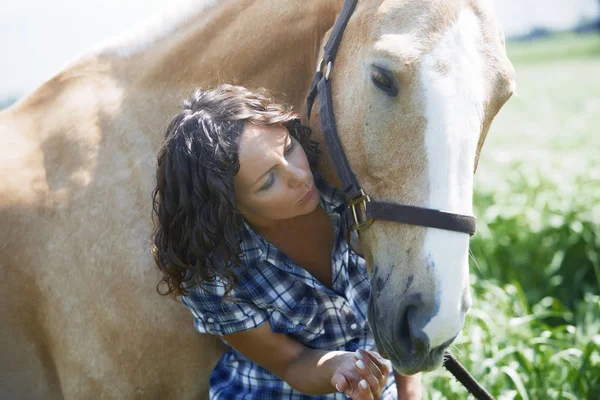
(534, 330)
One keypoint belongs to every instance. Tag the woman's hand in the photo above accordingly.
(361, 375)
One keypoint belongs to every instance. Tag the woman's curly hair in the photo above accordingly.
(197, 228)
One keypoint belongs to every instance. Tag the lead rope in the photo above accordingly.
(463, 376)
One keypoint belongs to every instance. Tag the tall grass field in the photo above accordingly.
(534, 329)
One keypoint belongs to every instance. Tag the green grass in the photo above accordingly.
(567, 46)
(534, 330)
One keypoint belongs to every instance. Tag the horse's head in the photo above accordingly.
(416, 85)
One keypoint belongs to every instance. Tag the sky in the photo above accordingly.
(38, 38)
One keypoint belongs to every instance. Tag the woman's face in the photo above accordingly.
(274, 182)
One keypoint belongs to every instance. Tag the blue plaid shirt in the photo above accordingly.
(272, 288)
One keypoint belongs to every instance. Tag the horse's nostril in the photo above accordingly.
(419, 338)
(404, 333)
(411, 337)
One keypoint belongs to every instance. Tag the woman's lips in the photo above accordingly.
(308, 194)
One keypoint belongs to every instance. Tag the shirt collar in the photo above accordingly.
(253, 245)
(332, 199)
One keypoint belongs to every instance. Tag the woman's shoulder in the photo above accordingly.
(255, 277)
(220, 313)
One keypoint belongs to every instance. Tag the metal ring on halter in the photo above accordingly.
(362, 199)
(320, 65)
(328, 71)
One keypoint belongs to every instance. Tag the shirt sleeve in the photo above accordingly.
(216, 316)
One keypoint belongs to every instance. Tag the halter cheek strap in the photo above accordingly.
(362, 211)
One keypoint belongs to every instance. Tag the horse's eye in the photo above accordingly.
(381, 79)
(385, 81)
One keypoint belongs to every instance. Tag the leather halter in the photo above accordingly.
(362, 211)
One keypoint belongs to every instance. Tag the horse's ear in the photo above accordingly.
(478, 153)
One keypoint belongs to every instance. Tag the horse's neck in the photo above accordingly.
(136, 84)
(252, 43)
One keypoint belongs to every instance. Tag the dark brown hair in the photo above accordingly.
(197, 228)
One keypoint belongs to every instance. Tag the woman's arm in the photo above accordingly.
(308, 370)
(409, 387)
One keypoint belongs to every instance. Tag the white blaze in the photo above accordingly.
(454, 110)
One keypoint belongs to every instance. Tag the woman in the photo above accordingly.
(253, 243)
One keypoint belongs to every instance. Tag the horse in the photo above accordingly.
(415, 88)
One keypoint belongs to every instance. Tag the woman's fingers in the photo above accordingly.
(365, 379)
(339, 382)
(377, 364)
(370, 374)
(371, 366)
(368, 377)
(378, 367)
(364, 391)
(376, 358)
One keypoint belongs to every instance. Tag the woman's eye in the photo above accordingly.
(268, 183)
(384, 81)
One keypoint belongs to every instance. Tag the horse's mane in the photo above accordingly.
(166, 22)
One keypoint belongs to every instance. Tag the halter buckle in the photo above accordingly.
(363, 199)
(327, 70)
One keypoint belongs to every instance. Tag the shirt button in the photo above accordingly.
(296, 322)
(211, 320)
(270, 309)
(353, 326)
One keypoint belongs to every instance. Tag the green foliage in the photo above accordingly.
(542, 231)
(534, 330)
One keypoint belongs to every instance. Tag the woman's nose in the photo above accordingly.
(297, 176)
